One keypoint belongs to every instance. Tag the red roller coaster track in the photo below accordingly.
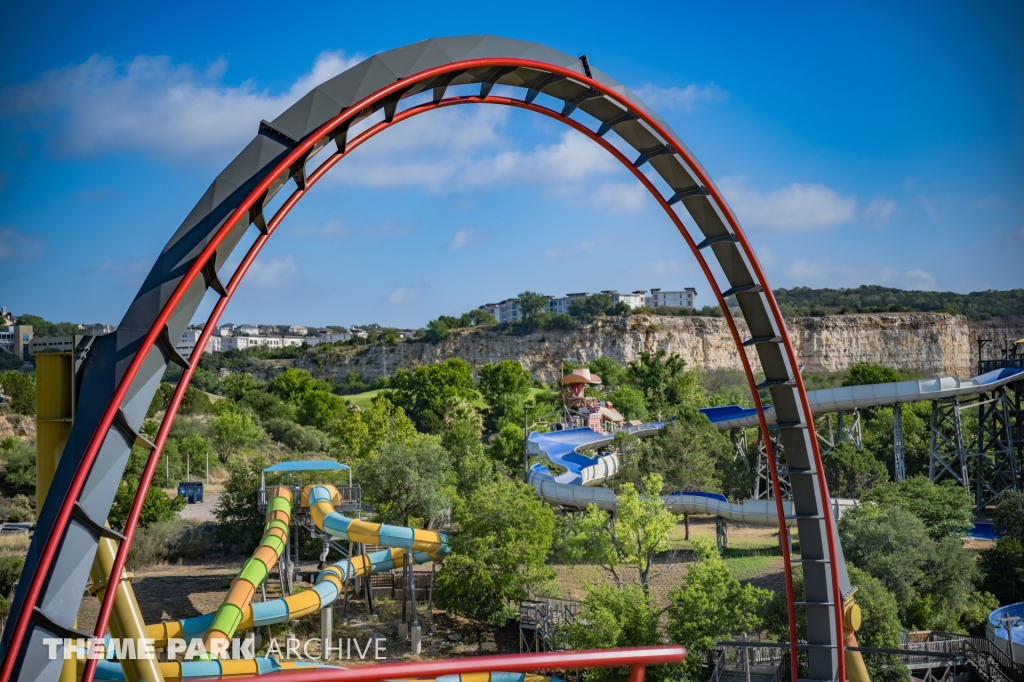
(300, 154)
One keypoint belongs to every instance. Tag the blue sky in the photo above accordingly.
(859, 143)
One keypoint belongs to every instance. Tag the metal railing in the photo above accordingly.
(981, 652)
(636, 659)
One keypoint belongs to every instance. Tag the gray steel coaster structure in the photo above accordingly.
(987, 463)
(123, 369)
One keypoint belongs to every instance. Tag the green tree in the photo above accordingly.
(638, 532)
(532, 304)
(687, 453)
(234, 431)
(236, 386)
(667, 386)
(931, 580)
(425, 391)
(500, 552)
(195, 402)
(630, 401)
(505, 386)
(506, 379)
(157, 506)
(470, 463)
(437, 331)
(1002, 568)
(851, 472)
(206, 380)
(295, 437)
(357, 436)
(293, 384)
(864, 373)
(195, 450)
(320, 408)
(507, 449)
(240, 523)
(267, 406)
(945, 509)
(615, 617)
(10, 571)
(711, 605)
(1009, 516)
(17, 467)
(20, 390)
(406, 480)
(161, 399)
(612, 373)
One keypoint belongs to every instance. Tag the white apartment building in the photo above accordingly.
(493, 309)
(247, 330)
(686, 298)
(269, 330)
(635, 299)
(561, 305)
(188, 344)
(243, 342)
(297, 329)
(331, 336)
(226, 329)
(508, 310)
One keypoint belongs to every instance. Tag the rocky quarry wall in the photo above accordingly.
(932, 343)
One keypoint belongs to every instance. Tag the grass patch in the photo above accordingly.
(748, 567)
(362, 400)
(14, 544)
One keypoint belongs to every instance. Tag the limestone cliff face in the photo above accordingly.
(935, 344)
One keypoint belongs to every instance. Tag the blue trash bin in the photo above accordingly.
(192, 491)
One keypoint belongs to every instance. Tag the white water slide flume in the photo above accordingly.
(578, 487)
(848, 398)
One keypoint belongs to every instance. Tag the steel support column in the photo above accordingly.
(898, 448)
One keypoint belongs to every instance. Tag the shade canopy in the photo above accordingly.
(308, 465)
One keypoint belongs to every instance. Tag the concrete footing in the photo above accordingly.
(417, 639)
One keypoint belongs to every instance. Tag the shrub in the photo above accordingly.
(17, 509)
(17, 467)
(10, 571)
(20, 390)
(157, 507)
(295, 437)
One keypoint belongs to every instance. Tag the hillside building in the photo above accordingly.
(687, 298)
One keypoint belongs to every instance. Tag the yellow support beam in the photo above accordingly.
(55, 412)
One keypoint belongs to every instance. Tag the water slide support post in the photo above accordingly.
(898, 448)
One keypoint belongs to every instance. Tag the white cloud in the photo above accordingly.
(468, 237)
(800, 207)
(822, 272)
(405, 295)
(154, 106)
(680, 98)
(575, 248)
(125, 267)
(574, 158)
(621, 197)
(272, 273)
(765, 255)
(666, 267)
(919, 280)
(15, 246)
(880, 210)
(342, 230)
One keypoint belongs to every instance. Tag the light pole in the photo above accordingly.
(526, 437)
(1009, 622)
